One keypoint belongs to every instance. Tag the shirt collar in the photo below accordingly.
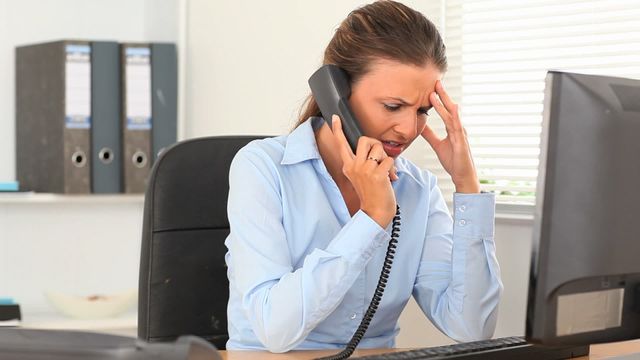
(301, 142)
(403, 168)
(301, 146)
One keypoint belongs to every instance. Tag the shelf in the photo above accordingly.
(46, 198)
(125, 324)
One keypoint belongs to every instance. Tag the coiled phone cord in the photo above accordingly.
(377, 295)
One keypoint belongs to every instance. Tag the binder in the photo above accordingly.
(164, 89)
(149, 108)
(53, 117)
(106, 149)
(136, 116)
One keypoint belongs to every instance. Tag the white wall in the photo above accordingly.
(75, 246)
(249, 61)
(82, 245)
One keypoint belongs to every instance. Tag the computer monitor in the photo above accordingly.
(585, 269)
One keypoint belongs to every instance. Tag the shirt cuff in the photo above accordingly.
(358, 239)
(474, 214)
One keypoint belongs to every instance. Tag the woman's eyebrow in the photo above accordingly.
(405, 102)
(400, 100)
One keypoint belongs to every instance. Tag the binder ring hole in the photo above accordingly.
(79, 159)
(106, 155)
(139, 159)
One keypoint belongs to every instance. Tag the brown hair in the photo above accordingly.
(384, 29)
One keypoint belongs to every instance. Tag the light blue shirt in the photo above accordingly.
(302, 270)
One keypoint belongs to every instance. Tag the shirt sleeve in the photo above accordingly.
(283, 304)
(458, 283)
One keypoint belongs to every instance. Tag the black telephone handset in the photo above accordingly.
(331, 90)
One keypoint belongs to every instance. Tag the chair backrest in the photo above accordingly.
(183, 286)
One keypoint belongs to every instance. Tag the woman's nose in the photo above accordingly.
(407, 127)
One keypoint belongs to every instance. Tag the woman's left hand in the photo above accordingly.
(452, 151)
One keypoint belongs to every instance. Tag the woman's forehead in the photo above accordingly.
(393, 78)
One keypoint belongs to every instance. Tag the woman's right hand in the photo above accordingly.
(370, 172)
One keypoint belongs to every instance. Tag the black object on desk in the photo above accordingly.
(9, 314)
(31, 344)
(506, 348)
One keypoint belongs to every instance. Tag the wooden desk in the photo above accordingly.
(600, 351)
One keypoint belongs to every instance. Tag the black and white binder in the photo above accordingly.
(93, 116)
(53, 117)
(136, 116)
(149, 108)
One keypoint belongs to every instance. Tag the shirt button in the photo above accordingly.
(353, 316)
(462, 222)
(462, 208)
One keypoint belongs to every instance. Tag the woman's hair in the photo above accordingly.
(384, 29)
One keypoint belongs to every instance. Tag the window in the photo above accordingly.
(499, 53)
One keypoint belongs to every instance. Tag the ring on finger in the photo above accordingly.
(374, 159)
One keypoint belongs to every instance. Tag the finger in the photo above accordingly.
(450, 105)
(365, 144)
(440, 108)
(376, 153)
(393, 175)
(345, 150)
(432, 138)
(436, 102)
(444, 96)
(386, 166)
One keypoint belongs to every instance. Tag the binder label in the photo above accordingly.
(138, 88)
(78, 86)
(138, 123)
(77, 122)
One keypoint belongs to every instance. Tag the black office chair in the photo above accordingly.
(183, 286)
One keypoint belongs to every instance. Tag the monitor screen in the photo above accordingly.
(585, 270)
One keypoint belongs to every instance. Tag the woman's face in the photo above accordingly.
(391, 102)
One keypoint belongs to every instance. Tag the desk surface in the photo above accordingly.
(600, 351)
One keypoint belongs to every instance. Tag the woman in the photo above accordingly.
(310, 219)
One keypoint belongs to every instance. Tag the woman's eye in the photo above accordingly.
(391, 107)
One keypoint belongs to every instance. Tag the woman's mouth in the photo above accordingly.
(393, 149)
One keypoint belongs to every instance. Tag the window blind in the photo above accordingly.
(499, 53)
